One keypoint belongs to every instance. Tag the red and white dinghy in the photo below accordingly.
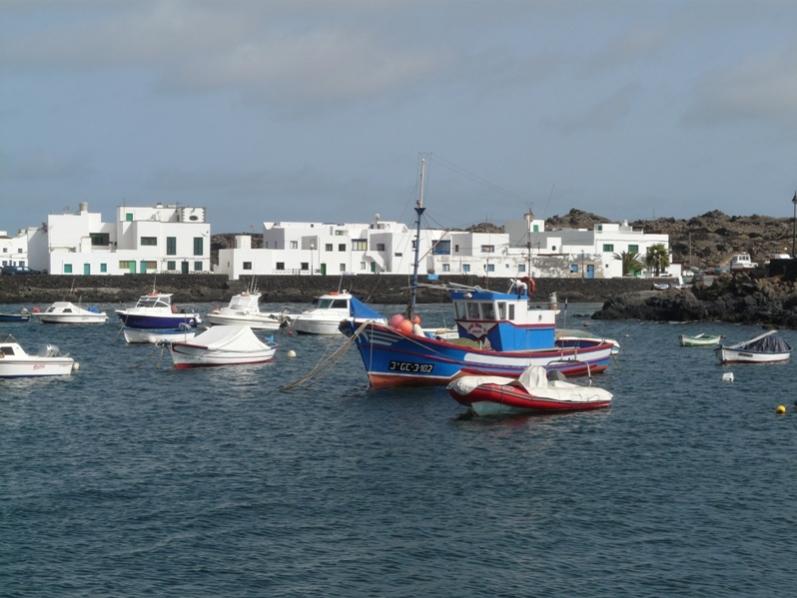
(531, 393)
(221, 345)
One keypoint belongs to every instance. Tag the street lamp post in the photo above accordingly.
(794, 225)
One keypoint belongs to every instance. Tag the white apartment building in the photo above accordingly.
(169, 238)
(587, 253)
(305, 248)
(14, 250)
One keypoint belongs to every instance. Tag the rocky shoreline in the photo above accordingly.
(745, 298)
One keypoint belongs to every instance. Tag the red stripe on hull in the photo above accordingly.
(518, 398)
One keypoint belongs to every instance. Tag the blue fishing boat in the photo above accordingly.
(500, 334)
(21, 316)
(155, 311)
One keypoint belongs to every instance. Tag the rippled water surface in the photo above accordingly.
(132, 478)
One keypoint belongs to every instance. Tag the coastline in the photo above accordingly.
(216, 287)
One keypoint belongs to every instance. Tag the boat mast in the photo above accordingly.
(419, 210)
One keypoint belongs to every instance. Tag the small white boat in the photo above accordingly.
(66, 312)
(221, 345)
(244, 310)
(699, 340)
(765, 348)
(330, 310)
(157, 336)
(531, 393)
(16, 363)
(581, 338)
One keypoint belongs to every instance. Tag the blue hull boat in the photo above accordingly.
(155, 311)
(20, 317)
(158, 322)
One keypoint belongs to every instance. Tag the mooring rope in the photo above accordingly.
(326, 361)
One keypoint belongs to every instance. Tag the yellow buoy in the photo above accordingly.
(780, 409)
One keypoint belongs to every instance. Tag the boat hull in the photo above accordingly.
(185, 355)
(140, 335)
(696, 341)
(262, 322)
(156, 321)
(11, 318)
(316, 326)
(73, 318)
(735, 356)
(507, 399)
(33, 367)
(392, 358)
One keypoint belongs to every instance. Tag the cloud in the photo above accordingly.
(761, 88)
(43, 167)
(604, 114)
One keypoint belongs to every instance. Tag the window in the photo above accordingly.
(171, 265)
(488, 313)
(466, 267)
(398, 254)
(7, 350)
(488, 248)
(125, 264)
(501, 310)
(380, 246)
(21, 263)
(342, 267)
(198, 266)
(340, 233)
(446, 268)
(521, 267)
(149, 241)
(473, 310)
(19, 250)
(456, 248)
(341, 246)
(67, 268)
(511, 311)
(413, 244)
(608, 247)
(359, 244)
(100, 239)
(294, 244)
(129, 217)
(573, 268)
(247, 265)
(459, 309)
(199, 246)
(536, 228)
(304, 266)
(280, 266)
(339, 304)
(633, 249)
(328, 247)
(363, 266)
(171, 245)
(104, 268)
(442, 248)
(489, 267)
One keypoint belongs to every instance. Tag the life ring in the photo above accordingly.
(532, 284)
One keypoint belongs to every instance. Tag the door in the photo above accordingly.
(86, 269)
(131, 266)
(323, 269)
(143, 267)
(590, 270)
(184, 267)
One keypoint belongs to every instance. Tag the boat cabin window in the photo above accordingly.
(501, 310)
(7, 351)
(153, 302)
(340, 303)
(333, 304)
(459, 310)
(50, 309)
(67, 311)
(488, 312)
(473, 311)
(511, 311)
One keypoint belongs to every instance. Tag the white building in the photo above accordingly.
(14, 250)
(587, 253)
(141, 239)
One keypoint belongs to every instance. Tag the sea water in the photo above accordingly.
(133, 478)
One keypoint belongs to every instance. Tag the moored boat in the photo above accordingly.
(330, 310)
(221, 345)
(66, 312)
(765, 348)
(700, 340)
(581, 338)
(157, 336)
(155, 311)
(16, 363)
(530, 393)
(244, 310)
(22, 315)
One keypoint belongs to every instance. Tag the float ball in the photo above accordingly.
(291, 353)
(780, 409)
(405, 327)
(396, 320)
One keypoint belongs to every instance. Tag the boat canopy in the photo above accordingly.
(363, 311)
(534, 376)
(155, 300)
(768, 342)
(229, 338)
(245, 302)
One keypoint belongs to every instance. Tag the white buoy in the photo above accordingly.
(727, 377)
(291, 353)
(75, 366)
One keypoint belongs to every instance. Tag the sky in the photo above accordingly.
(318, 110)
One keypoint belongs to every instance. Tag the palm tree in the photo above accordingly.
(631, 262)
(657, 258)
